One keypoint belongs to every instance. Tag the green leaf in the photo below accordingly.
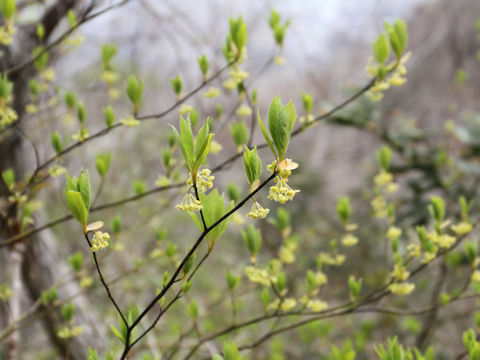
(81, 113)
(134, 90)
(203, 63)
(102, 163)
(230, 351)
(204, 151)
(252, 164)
(83, 184)
(402, 34)
(67, 311)
(186, 135)
(56, 141)
(117, 333)
(343, 209)
(8, 177)
(192, 309)
(7, 8)
(253, 239)
(77, 206)
(176, 83)
(280, 124)
(109, 116)
(381, 49)
(266, 136)
(393, 38)
(92, 354)
(201, 141)
(239, 132)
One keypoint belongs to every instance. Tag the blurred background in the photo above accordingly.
(326, 50)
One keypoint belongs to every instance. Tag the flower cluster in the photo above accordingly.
(396, 72)
(258, 275)
(204, 180)
(99, 241)
(69, 332)
(400, 273)
(404, 288)
(7, 116)
(258, 211)
(6, 34)
(384, 186)
(212, 92)
(189, 203)
(281, 192)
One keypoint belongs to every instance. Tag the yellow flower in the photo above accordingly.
(281, 192)
(317, 305)
(446, 241)
(81, 135)
(162, 180)
(48, 75)
(413, 250)
(383, 179)
(230, 84)
(257, 275)
(428, 256)
(99, 241)
(212, 92)
(288, 304)
(215, 147)
(129, 121)
(462, 228)
(185, 109)
(244, 110)
(258, 211)
(286, 255)
(189, 203)
(349, 240)
(204, 180)
(86, 281)
(400, 273)
(401, 288)
(476, 276)
(279, 60)
(394, 232)
(56, 170)
(238, 75)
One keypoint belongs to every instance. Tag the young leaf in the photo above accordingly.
(266, 136)
(56, 141)
(402, 34)
(186, 135)
(381, 49)
(83, 184)
(77, 207)
(252, 164)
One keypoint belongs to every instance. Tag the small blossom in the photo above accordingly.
(109, 77)
(31, 108)
(317, 305)
(288, 304)
(244, 110)
(428, 257)
(86, 282)
(99, 241)
(476, 276)
(281, 192)
(394, 232)
(279, 60)
(6, 34)
(81, 135)
(307, 119)
(56, 170)
(286, 255)
(329, 259)
(462, 228)
(230, 84)
(7, 116)
(238, 75)
(446, 241)
(257, 275)
(413, 250)
(212, 92)
(349, 240)
(162, 180)
(185, 109)
(383, 179)
(400, 273)
(129, 121)
(204, 180)
(189, 203)
(258, 211)
(48, 75)
(5, 292)
(215, 147)
(401, 288)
